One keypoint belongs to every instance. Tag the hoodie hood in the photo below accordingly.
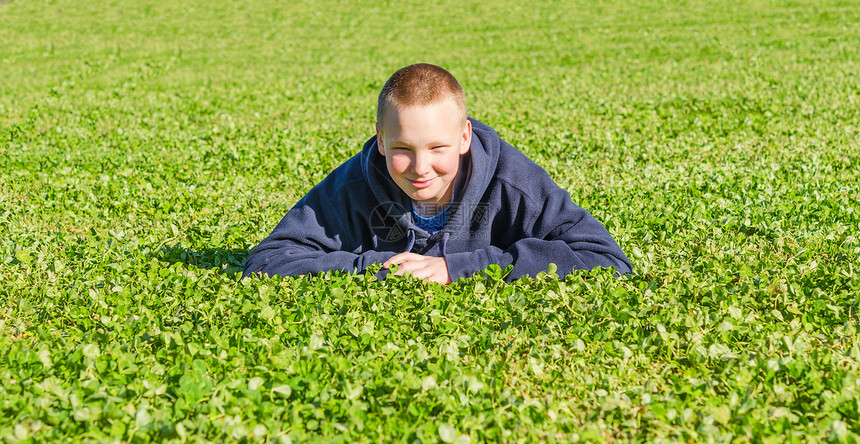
(390, 200)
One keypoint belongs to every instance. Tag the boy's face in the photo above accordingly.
(422, 146)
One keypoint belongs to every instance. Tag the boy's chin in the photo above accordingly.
(426, 195)
(422, 197)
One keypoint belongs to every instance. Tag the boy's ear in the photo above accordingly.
(467, 138)
(379, 142)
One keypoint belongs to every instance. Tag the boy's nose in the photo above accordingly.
(421, 165)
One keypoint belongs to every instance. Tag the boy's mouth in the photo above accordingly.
(422, 183)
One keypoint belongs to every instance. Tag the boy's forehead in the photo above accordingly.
(418, 115)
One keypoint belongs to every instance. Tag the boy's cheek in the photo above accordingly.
(399, 163)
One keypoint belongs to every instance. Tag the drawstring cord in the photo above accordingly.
(410, 241)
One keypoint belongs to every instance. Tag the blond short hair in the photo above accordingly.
(419, 84)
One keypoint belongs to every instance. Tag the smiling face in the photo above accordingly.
(422, 145)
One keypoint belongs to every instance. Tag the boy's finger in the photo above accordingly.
(401, 267)
(417, 267)
(410, 266)
(399, 259)
(396, 259)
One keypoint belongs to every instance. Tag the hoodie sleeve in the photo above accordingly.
(309, 239)
(554, 230)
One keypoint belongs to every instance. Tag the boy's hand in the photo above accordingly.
(434, 269)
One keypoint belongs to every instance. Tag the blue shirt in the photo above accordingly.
(433, 224)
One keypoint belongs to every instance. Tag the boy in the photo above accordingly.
(438, 194)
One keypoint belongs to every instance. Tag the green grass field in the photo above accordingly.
(146, 146)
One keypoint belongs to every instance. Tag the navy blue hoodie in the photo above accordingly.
(507, 211)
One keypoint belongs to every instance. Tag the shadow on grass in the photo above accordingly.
(228, 261)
